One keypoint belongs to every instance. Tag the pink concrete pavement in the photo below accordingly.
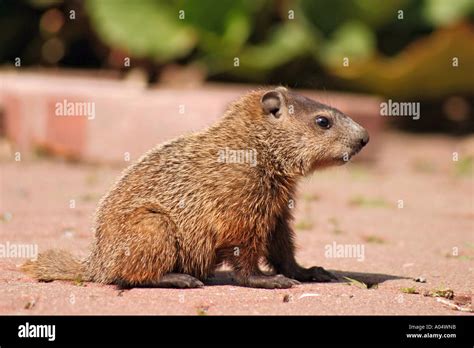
(430, 237)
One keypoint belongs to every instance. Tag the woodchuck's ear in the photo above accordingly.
(273, 102)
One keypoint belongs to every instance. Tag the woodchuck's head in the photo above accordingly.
(308, 134)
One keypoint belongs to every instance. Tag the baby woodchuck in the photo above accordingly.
(220, 195)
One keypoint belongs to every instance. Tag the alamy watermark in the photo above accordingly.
(393, 108)
(242, 156)
(28, 330)
(69, 108)
(334, 250)
(13, 250)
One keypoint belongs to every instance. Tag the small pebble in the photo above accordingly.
(30, 304)
(420, 280)
(68, 233)
(6, 217)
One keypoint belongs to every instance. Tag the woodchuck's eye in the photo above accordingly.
(323, 122)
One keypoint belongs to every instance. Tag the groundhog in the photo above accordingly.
(220, 195)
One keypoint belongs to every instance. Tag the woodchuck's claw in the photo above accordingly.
(319, 274)
(194, 283)
(295, 282)
(314, 274)
(177, 280)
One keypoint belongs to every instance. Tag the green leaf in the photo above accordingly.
(285, 44)
(353, 39)
(442, 12)
(423, 70)
(145, 28)
(356, 283)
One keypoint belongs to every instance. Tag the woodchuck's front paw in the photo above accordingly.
(314, 274)
(269, 282)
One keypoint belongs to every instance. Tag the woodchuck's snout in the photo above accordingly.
(357, 136)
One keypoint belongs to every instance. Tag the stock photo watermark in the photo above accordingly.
(346, 251)
(75, 109)
(394, 108)
(15, 250)
(238, 156)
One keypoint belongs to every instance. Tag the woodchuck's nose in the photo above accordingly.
(365, 139)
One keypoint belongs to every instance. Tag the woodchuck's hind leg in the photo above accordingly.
(170, 280)
(147, 252)
(269, 282)
(175, 280)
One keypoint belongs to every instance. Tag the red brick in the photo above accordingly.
(130, 118)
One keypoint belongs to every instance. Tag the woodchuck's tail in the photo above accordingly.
(55, 265)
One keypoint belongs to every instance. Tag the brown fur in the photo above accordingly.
(55, 265)
(179, 210)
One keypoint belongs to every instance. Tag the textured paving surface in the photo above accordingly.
(430, 237)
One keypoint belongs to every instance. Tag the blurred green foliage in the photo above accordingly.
(441, 12)
(150, 28)
(143, 28)
(228, 39)
(398, 48)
